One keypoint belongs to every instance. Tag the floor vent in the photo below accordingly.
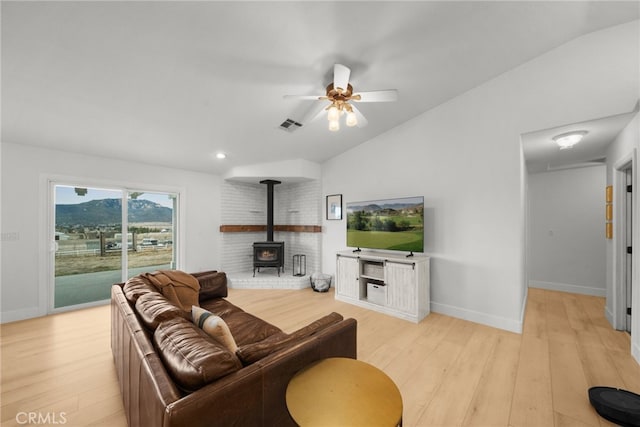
(290, 125)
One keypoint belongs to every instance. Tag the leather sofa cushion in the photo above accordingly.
(135, 287)
(220, 307)
(247, 328)
(251, 353)
(154, 308)
(212, 285)
(191, 357)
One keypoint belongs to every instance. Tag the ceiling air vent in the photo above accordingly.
(290, 125)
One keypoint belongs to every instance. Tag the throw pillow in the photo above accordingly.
(214, 326)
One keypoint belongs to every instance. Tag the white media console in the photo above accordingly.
(393, 284)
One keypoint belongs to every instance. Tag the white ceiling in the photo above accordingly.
(543, 154)
(172, 83)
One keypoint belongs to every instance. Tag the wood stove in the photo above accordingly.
(269, 253)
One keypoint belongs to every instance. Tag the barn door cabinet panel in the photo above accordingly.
(347, 280)
(401, 289)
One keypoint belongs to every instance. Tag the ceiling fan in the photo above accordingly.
(340, 95)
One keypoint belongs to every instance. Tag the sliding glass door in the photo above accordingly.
(92, 249)
(151, 224)
(87, 260)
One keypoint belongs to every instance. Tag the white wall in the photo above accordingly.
(24, 193)
(567, 240)
(624, 148)
(464, 157)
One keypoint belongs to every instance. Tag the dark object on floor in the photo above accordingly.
(618, 406)
(320, 282)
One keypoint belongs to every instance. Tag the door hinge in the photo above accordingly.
(629, 250)
(629, 188)
(629, 311)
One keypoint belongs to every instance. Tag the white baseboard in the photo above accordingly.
(609, 316)
(564, 287)
(267, 280)
(635, 352)
(510, 325)
(523, 310)
(15, 315)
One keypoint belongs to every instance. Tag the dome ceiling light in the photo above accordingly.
(567, 140)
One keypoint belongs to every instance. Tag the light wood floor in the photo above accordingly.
(450, 372)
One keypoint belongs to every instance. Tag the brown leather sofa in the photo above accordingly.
(171, 373)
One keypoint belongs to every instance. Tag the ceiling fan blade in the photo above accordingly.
(376, 96)
(341, 76)
(305, 97)
(315, 111)
(362, 121)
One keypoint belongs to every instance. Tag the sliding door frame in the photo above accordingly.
(47, 230)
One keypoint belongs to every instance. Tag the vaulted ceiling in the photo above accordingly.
(173, 83)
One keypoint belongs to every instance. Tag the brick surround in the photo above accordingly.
(294, 204)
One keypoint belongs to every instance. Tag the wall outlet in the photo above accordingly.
(12, 236)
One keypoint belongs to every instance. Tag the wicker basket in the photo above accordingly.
(320, 282)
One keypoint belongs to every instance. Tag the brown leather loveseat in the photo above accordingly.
(172, 373)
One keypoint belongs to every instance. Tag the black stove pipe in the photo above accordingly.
(270, 184)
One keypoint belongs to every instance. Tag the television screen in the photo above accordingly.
(392, 224)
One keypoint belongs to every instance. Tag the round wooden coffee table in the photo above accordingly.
(343, 392)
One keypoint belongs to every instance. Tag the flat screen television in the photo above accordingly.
(389, 224)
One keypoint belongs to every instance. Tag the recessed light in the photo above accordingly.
(569, 139)
(221, 156)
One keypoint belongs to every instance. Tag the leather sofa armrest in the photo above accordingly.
(337, 340)
(203, 273)
(213, 284)
(233, 400)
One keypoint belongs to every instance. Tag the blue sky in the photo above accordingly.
(67, 196)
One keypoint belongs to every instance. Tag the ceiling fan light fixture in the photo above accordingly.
(333, 113)
(568, 140)
(340, 93)
(351, 119)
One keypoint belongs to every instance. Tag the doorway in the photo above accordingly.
(624, 184)
(628, 242)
